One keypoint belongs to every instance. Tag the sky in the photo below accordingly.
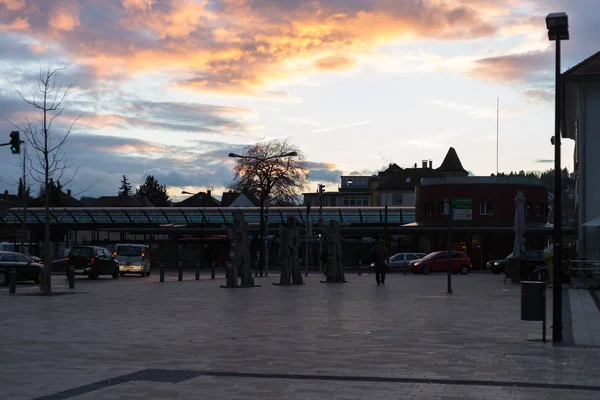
(170, 87)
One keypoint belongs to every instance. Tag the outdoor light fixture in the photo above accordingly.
(558, 26)
(558, 29)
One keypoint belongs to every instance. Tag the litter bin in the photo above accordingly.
(533, 303)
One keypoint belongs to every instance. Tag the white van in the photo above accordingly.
(133, 258)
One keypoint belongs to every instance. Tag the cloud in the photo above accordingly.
(19, 24)
(324, 175)
(478, 111)
(515, 68)
(236, 46)
(332, 128)
(544, 161)
(64, 20)
(536, 96)
(321, 165)
(334, 63)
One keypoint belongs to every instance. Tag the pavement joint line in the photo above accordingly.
(177, 376)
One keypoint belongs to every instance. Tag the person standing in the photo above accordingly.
(380, 257)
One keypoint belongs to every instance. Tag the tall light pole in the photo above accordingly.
(558, 29)
(263, 231)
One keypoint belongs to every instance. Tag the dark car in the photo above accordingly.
(438, 262)
(533, 258)
(27, 270)
(92, 261)
(60, 264)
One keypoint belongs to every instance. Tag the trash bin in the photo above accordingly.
(533, 301)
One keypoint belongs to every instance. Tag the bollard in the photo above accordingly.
(197, 270)
(71, 277)
(162, 271)
(212, 270)
(359, 267)
(12, 280)
(180, 271)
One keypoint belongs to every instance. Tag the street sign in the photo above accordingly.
(267, 243)
(250, 236)
(462, 209)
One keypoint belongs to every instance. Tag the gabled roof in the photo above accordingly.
(122, 201)
(589, 66)
(229, 197)
(200, 199)
(452, 163)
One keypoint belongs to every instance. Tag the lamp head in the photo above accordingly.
(558, 26)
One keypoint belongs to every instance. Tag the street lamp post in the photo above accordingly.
(263, 231)
(558, 29)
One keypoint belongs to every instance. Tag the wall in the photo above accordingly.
(501, 194)
(590, 139)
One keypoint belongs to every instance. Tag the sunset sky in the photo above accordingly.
(170, 87)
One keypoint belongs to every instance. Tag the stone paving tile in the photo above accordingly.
(585, 318)
(408, 328)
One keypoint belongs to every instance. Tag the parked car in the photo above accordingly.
(133, 258)
(27, 270)
(398, 261)
(438, 262)
(533, 258)
(60, 264)
(93, 261)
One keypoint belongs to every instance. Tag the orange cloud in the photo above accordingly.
(19, 24)
(13, 5)
(513, 68)
(333, 63)
(242, 46)
(63, 20)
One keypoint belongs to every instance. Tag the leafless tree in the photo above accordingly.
(263, 172)
(49, 159)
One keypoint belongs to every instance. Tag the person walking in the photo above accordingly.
(380, 257)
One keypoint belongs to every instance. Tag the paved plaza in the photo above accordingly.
(136, 338)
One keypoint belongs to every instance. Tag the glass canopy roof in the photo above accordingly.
(209, 215)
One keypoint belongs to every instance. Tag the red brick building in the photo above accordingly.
(483, 210)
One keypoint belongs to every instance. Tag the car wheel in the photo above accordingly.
(496, 271)
(3, 277)
(148, 273)
(115, 274)
(143, 274)
(122, 274)
(464, 270)
(426, 270)
(93, 276)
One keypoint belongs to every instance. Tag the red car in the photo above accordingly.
(438, 262)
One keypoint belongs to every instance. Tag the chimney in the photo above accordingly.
(6, 194)
(430, 164)
(69, 192)
(424, 163)
(208, 192)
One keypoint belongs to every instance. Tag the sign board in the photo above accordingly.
(462, 209)
(267, 243)
(250, 236)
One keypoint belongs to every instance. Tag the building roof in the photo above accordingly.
(200, 199)
(452, 163)
(229, 197)
(408, 178)
(122, 201)
(589, 66)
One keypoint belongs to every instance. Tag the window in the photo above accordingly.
(410, 257)
(356, 201)
(129, 251)
(397, 199)
(486, 208)
(441, 210)
(9, 257)
(429, 208)
(21, 258)
(82, 252)
(539, 209)
(333, 201)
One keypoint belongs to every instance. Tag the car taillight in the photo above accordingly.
(115, 253)
(143, 254)
(92, 260)
(67, 258)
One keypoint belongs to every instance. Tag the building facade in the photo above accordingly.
(581, 122)
(482, 210)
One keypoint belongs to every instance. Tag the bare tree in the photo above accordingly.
(48, 163)
(273, 171)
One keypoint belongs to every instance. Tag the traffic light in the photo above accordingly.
(15, 142)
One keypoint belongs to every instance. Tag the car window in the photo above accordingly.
(441, 256)
(107, 254)
(457, 255)
(81, 252)
(9, 257)
(129, 251)
(21, 258)
(431, 255)
(411, 257)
